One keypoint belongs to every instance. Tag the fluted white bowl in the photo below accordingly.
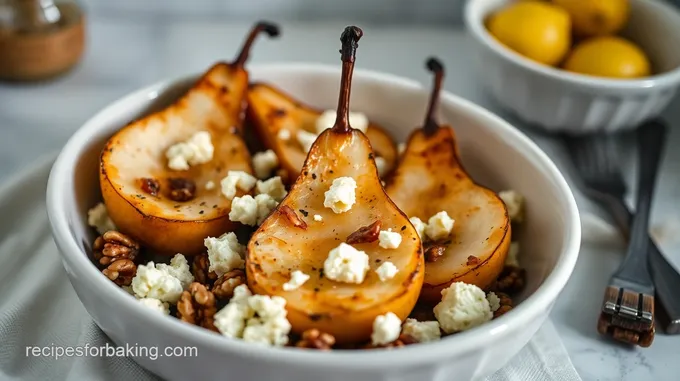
(557, 100)
(494, 152)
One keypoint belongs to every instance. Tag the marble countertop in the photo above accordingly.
(124, 55)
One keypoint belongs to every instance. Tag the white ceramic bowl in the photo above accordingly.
(496, 154)
(561, 101)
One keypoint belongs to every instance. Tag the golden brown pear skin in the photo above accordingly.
(282, 244)
(430, 178)
(216, 104)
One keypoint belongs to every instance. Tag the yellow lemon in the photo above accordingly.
(596, 17)
(608, 56)
(537, 30)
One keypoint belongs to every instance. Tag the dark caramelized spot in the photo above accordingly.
(294, 219)
(304, 212)
(365, 234)
(150, 186)
(181, 189)
(472, 260)
(433, 252)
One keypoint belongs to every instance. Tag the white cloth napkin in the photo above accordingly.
(38, 307)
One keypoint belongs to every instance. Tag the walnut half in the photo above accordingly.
(197, 306)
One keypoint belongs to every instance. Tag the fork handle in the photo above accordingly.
(650, 146)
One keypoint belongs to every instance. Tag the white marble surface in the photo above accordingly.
(125, 55)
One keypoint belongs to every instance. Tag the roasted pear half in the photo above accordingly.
(293, 238)
(272, 111)
(172, 211)
(429, 179)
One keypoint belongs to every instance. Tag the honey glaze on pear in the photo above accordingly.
(135, 157)
(281, 246)
(430, 179)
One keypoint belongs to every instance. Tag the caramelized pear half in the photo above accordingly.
(214, 104)
(292, 239)
(271, 111)
(430, 178)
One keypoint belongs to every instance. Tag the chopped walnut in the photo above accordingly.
(315, 339)
(112, 246)
(434, 251)
(197, 306)
(224, 286)
(402, 341)
(365, 234)
(181, 189)
(121, 271)
(511, 280)
(293, 217)
(150, 186)
(200, 269)
(472, 260)
(506, 304)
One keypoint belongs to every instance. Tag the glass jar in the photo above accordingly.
(39, 39)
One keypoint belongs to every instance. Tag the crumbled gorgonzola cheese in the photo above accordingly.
(198, 149)
(515, 204)
(439, 226)
(244, 210)
(387, 239)
(341, 195)
(284, 134)
(494, 301)
(422, 331)
(264, 163)
(98, 218)
(346, 264)
(386, 329)
(297, 279)
(318, 217)
(237, 180)
(179, 268)
(155, 305)
(326, 120)
(306, 139)
(463, 306)
(386, 271)
(210, 185)
(273, 187)
(265, 204)
(151, 282)
(419, 225)
(224, 253)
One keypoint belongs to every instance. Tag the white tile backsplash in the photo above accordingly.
(374, 11)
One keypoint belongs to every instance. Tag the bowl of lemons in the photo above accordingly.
(577, 66)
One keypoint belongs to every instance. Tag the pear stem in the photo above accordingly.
(350, 42)
(435, 66)
(272, 30)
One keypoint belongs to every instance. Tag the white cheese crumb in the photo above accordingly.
(381, 164)
(98, 218)
(327, 120)
(224, 253)
(265, 204)
(401, 147)
(341, 195)
(439, 226)
(419, 225)
(264, 163)
(150, 282)
(297, 279)
(284, 134)
(422, 331)
(512, 259)
(244, 210)
(494, 301)
(179, 268)
(387, 239)
(254, 318)
(155, 305)
(198, 149)
(210, 185)
(386, 271)
(386, 329)
(306, 139)
(273, 187)
(463, 306)
(318, 217)
(346, 264)
(234, 180)
(515, 204)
